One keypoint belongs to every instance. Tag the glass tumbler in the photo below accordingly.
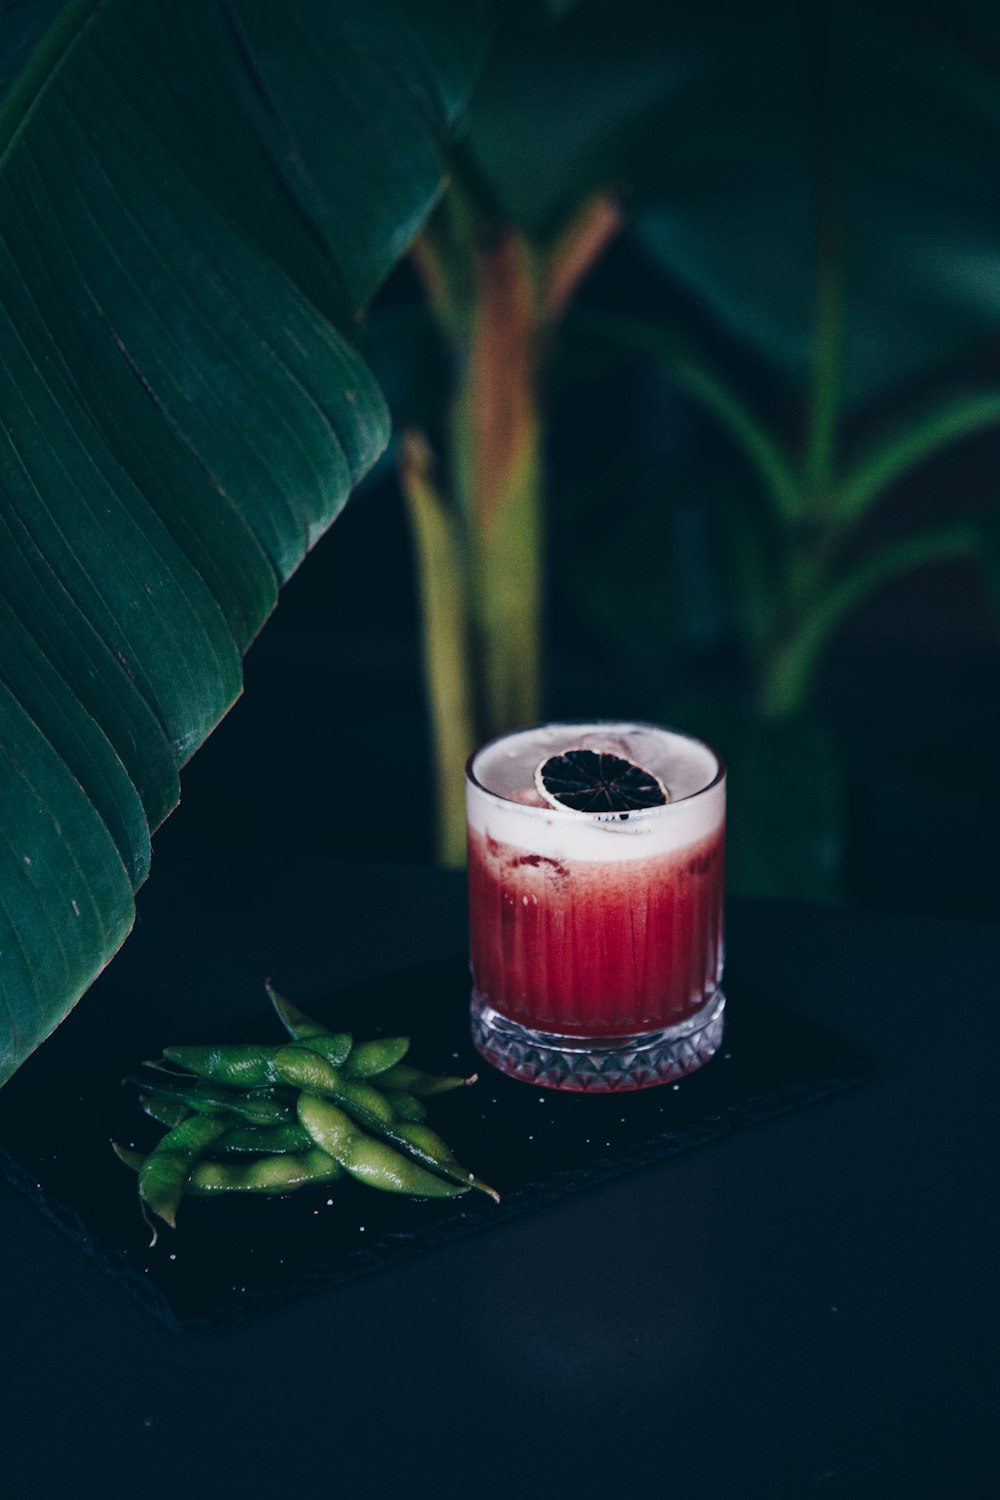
(596, 938)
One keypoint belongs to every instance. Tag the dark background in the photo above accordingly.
(329, 749)
(814, 1294)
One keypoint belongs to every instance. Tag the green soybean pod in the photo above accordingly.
(261, 1140)
(238, 1065)
(369, 1160)
(367, 1059)
(169, 1112)
(275, 1108)
(176, 1092)
(201, 1098)
(368, 1106)
(166, 1169)
(271, 1108)
(411, 1138)
(300, 1066)
(272, 1175)
(299, 1026)
(423, 1085)
(405, 1106)
(334, 1047)
(438, 1155)
(128, 1155)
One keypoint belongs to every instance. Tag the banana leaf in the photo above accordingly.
(197, 198)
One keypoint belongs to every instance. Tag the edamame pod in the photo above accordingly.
(334, 1047)
(299, 1065)
(128, 1155)
(303, 1068)
(261, 1140)
(261, 1109)
(298, 1113)
(405, 1106)
(271, 1174)
(423, 1085)
(435, 1153)
(169, 1112)
(369, 1160)
(238, 1065)
(368, 1059)
(166, 1169)
(371, 1109)
(365, 1104)
(298, 1025)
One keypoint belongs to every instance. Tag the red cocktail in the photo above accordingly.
(596, 938)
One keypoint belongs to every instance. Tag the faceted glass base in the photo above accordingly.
(586, 1065)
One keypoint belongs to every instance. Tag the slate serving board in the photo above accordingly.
(233, 1258)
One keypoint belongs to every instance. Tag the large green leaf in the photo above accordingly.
(24, 24)
(196, 199)
(751, 141)
(879, 123)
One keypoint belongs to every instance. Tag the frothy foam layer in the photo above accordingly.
(504, 807)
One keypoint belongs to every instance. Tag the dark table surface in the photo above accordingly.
(803, 1307)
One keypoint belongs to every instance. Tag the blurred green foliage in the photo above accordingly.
(808, 192)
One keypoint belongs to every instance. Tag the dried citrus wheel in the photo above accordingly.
(595, 781)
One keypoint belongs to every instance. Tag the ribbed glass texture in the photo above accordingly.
(591, 948)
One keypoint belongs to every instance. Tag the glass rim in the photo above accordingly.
(636, 815)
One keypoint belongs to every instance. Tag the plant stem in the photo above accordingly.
(780, 483)
(496, 298)
(910, 445)
(575, 250)
(790, 673)
(497, 447)
(441, 573)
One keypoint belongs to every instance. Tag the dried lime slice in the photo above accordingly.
(596, 781)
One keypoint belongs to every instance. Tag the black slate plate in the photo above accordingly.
(230, 1259)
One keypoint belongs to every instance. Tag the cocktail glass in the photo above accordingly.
(596, 938)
